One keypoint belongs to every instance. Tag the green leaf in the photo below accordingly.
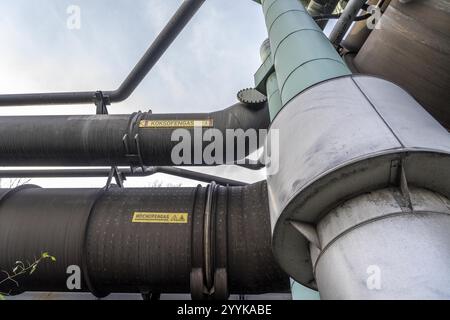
(33, 269)
(53, 258)
(2, 297)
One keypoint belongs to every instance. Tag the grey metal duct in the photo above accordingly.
(339, 140)
(345, 21)
(411, 47)
(208, 241)
(140, 139)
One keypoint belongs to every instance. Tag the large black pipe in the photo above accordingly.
(141, 139)
(98, 231)
(177, 23)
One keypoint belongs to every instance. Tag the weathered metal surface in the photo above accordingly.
(411, 46)
(373, 247)
(342, 138)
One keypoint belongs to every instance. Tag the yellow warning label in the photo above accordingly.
(208, 123)
(160, 217)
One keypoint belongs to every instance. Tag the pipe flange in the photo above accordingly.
(251, 97)
(197, 281)
(131, 141)
(84, 251)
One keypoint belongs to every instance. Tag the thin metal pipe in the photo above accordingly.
(322, 7)
(345, 21)
(170, 32)
(193, 175)
(126, 172)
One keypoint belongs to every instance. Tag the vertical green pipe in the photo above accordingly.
(302, 54)
(273, 96)
(273, 93)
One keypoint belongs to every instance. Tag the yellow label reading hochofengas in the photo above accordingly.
(160, 217)
(208, 123)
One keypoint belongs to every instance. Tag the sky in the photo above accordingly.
(214, 57)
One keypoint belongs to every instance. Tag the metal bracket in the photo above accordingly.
(132, 144)
(399, 180)
(101, 102)
(263, 73)
(404, 186)
(151, 296)
(117, 175)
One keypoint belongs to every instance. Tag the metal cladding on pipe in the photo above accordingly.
(142, 240)
(141, 139)
(273, 96)
(174, 27)
(273, 92)
(367, 235)
(302, 54)
(411, 47)
(346, 137)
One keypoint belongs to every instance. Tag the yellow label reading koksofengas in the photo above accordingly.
(160, 217)
(207, 123)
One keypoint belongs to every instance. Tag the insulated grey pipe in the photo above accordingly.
(322, 7)
(345, 21)
(127, 140)
(141, 240)
(177, 23)
(358, 33)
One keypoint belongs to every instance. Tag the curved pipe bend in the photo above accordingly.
(137, 140)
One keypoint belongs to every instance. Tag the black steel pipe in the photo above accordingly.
(123, 242)
(141, 139)
(176, 24)
(125, 172)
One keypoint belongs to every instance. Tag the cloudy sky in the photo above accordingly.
(214, 57)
